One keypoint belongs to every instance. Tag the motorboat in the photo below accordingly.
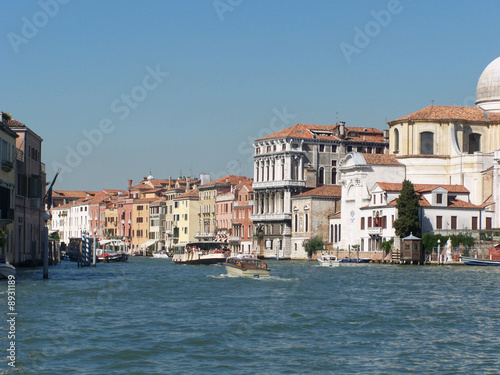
(479, 262)
(6, 270)
(202, 252)
(328, 260)
(355, 260)
(246, 266)
(110, 256)
(160, 254)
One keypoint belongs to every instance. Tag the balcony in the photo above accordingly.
(374, 231)
(234, 239)
(204, 235)
(278, 184)
(7, 166)
(271, 217)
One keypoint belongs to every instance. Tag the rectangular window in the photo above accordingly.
(321, 148)
(474, 222)
(139, 208)
(369, 222)
(334, 148)
(453, 222)
(439, 222)
(488, 223)
(362, 223)
(439, 198)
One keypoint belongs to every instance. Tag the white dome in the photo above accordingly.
(488, 88)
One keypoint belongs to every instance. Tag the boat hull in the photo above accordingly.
(160, 255)
(245, 272)
(479, 262)
(7, 270)
(330, 263)
(199, 258)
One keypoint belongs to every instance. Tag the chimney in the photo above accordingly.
(188, 183)
(342, 130)
(169, 182)
(129, 185)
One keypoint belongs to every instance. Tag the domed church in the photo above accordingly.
(453, 144)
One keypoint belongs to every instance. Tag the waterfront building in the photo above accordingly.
(444, 209)
(140, 224)
(224, 215)
(29, 206)
(207, 222)
(7, 187)
(186, 216)
(448, 145)
(359, 173)
(157, 224)
(240, 240)
(291, 160)
(310, 217)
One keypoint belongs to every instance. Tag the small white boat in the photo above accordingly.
(160, 254)
(110, 256)
(327, 260)
(6, 270)
(246, 267)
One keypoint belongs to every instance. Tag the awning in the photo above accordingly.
(111, 242)
(147, 244)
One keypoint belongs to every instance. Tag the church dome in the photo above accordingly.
(488, 88)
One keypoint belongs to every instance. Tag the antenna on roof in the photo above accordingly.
(432, 102)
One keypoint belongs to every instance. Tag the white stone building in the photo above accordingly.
(291, 160)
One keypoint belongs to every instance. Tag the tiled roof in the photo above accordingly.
(194, 193)
(71, 193)
(447, 112)
(322, 191)
(457, 203)
(381, 159)
(423, 188)
(226, 180)
(308, 131)
(15, 124)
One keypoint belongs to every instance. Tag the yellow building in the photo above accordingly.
(7, 190)
(207, 194)
(111, 221)
(140, 223)
(185, 216)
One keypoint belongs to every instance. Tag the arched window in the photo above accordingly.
(396, 140)
(296, 223)
(331, 233)
(426, 143)
(306, 229)
(474, 143)
(334, 176)
(321, 176)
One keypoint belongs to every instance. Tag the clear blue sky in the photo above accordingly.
(185, 86)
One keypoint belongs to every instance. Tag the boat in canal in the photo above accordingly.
(160, 254)
(355, 260)
(201, 252)
(6, 270)
(246, 266)
(110, 255)
(328, 260)
(479, 262)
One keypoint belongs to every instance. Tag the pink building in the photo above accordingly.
(241, 237)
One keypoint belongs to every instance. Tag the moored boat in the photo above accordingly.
(246, 267)
(160, 254)
(479, 262)
(203, 252)
(110, 256)
(327, 260)
(6, 270)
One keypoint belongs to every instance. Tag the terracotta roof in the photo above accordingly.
(422, 188)
(71, 193)
(381, 159)
(194, 193)
(15, 124)
(457, 203)
(322, 191)
(226, 180)
(448, 112)
(309, 131)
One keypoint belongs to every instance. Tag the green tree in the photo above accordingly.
(387, 245)
(313, 245)
(408, 207)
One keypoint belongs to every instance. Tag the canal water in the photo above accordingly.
(150, 316)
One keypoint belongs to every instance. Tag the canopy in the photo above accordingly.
(147, 244)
